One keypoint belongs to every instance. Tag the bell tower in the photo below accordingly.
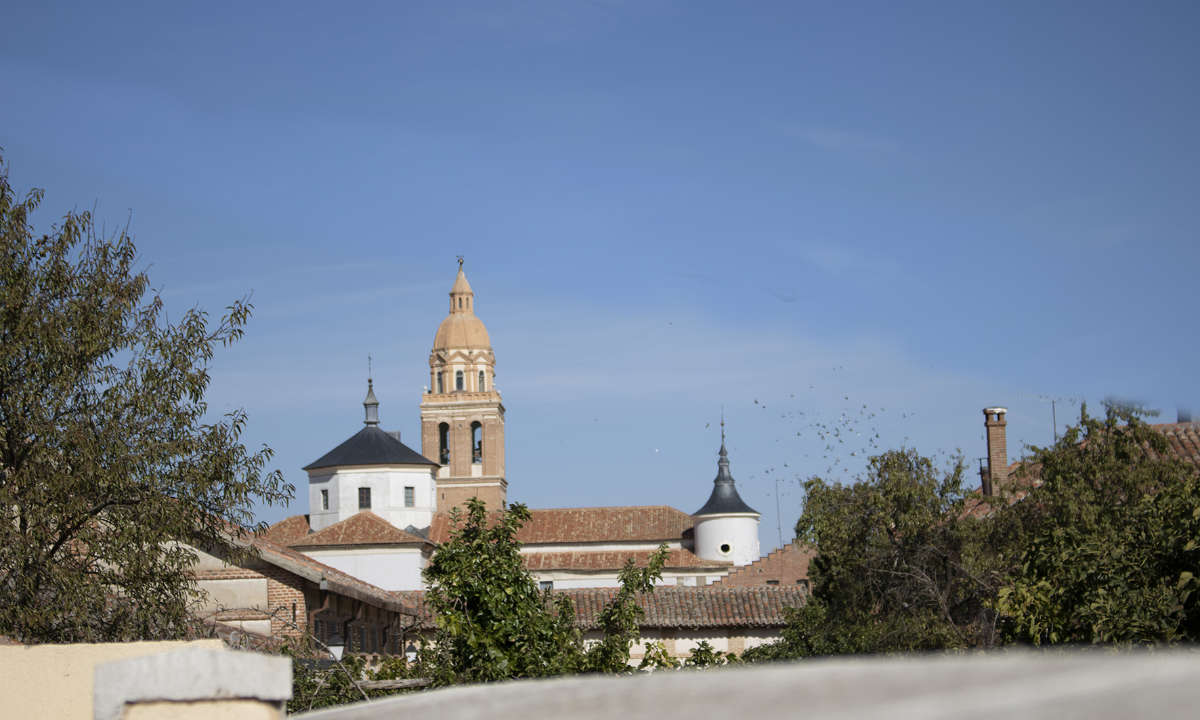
(462, 415)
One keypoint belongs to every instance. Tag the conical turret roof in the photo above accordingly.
(724, 498)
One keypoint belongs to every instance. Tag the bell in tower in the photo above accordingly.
(462, 416)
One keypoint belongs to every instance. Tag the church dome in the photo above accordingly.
(462, 329)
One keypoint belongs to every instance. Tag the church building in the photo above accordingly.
(378, 508)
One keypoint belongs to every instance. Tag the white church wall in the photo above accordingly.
(386, 568)
(573, 579)
(679, 642)
(387, 494)
(319, 517)
(732, 537)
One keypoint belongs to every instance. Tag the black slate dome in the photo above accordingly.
(724, 498)
(370, 446)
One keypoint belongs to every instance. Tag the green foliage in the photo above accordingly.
(318, 684)
(494, 624)
(1110, 549)
(896, 569)
(705, 655)
(106, 451)
(492, 621)
(1097, 540)
(657, 658)
(620, 618)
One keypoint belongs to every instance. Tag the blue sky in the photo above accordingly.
(871, 218)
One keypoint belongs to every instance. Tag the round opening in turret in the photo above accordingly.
(725, 548)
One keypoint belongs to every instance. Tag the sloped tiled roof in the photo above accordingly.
(670, 607)
(643, 523)
(613, 560)
(287, 531)
(697, 607)
(314, 571)
(1183, 438)
(370, 446)
(362, 528)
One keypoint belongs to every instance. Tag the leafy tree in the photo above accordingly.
(899, 566)
(107, 455)
(705, 655)
(493, 623)
(1095, 540)
(619, 620)
(657, 658)
(1109, 541)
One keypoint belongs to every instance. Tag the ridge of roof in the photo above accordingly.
(361, 528)
(370, 446)
(614, 560)
(758, 606)
(646, 523)
(288, 530)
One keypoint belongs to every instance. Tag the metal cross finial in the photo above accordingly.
(722, 424)
(460, 262)
(369, 372)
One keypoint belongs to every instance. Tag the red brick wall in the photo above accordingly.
(786, 566)
(284, 589)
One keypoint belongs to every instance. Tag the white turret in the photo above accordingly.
(726, 528)
(373, 471)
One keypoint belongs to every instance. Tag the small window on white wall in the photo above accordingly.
(546, 585)
(410, 498)
(364, 498)
(324, 499)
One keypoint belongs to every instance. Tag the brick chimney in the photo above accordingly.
(997, 449)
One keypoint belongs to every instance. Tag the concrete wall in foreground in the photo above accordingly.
(55, 681)
(1059, 686)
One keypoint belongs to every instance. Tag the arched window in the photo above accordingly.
(458, 379)
(476, 442)
(444, 443)
(482, 385)
(439, 383)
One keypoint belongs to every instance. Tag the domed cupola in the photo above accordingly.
(462, 329)
(726, 528)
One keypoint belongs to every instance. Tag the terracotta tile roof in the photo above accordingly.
(644, 523)
(614, 560)
(288, 530)
(697, 607)
(362, 528)
(1183, 439)
(760, 606)
(337, 581)
(785, 566)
